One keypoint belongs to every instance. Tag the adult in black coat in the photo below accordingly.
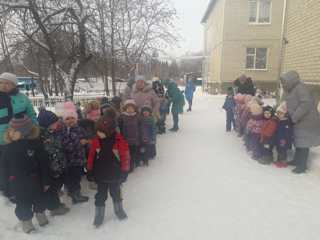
(245, 85)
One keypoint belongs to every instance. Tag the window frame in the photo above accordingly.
(255, 59)
(258, 14)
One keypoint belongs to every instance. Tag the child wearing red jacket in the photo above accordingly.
(108, 166)
(267, 138)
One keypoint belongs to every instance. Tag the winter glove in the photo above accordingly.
(123, 177)
(90, 176)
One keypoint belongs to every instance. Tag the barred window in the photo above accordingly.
(256, 58)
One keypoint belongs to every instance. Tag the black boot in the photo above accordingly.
(298, 170)
(78, 198)
(118, 210)
(99, 216)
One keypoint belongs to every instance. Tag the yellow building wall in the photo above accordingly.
(213, 42)
(302, 52)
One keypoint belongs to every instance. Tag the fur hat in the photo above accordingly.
(9, 77)
(255, 109)
(283, 108)
(69, 110)
(128, 103)
(106, 124)
(47, 118)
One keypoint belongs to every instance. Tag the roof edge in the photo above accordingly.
(208, 11)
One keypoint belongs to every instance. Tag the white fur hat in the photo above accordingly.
(9, 77)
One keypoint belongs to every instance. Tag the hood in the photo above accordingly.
(289, 80)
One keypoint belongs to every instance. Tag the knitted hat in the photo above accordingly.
(268, 109)
(23, 125)
(255, 109)
(282, 108)
(47, 118)
(146, 108)
(69, 111)
(9, 77)
(106, 124)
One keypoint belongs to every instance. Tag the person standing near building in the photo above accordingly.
(12, 104)
(189, 92)
(305, 118)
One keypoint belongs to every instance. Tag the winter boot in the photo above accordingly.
(174, 129)
(266, 160)
(99, 216)
(42, 219)
(118, 210)
(78, 198)
(298, 170)
(27, 226)
(61, 210)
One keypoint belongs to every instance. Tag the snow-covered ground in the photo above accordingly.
(202, 186)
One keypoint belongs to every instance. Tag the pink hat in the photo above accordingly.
(70, 110)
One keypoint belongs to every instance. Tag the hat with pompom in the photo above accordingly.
(69, 110)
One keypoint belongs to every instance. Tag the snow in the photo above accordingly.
(202, 185)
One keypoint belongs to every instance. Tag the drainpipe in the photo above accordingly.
(283, 42)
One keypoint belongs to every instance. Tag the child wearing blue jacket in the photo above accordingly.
(229, 106)
(284, 135)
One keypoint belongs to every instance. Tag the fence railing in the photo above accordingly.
(38, 102)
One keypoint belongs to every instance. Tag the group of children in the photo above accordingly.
(262, 127)
(108, 143)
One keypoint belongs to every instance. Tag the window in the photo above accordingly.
(259, 11)
(256, 58)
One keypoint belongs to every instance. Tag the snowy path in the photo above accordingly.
(202, 186)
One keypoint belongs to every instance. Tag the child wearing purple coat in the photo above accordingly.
(129, 124)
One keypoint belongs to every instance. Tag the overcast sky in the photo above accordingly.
(190, 13)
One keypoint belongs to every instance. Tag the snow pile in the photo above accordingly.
(202, 185)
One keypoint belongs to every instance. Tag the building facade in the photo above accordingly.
(302, 44)
(242, 37)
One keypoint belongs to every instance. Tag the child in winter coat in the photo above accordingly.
(51, 137)
(148, 135)
(254, 127)
(239, 100)
(25, 162)
(74, 141)
(129, 124)
(229, 107)
(108, 166)
(284, 135)
(268, 132)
